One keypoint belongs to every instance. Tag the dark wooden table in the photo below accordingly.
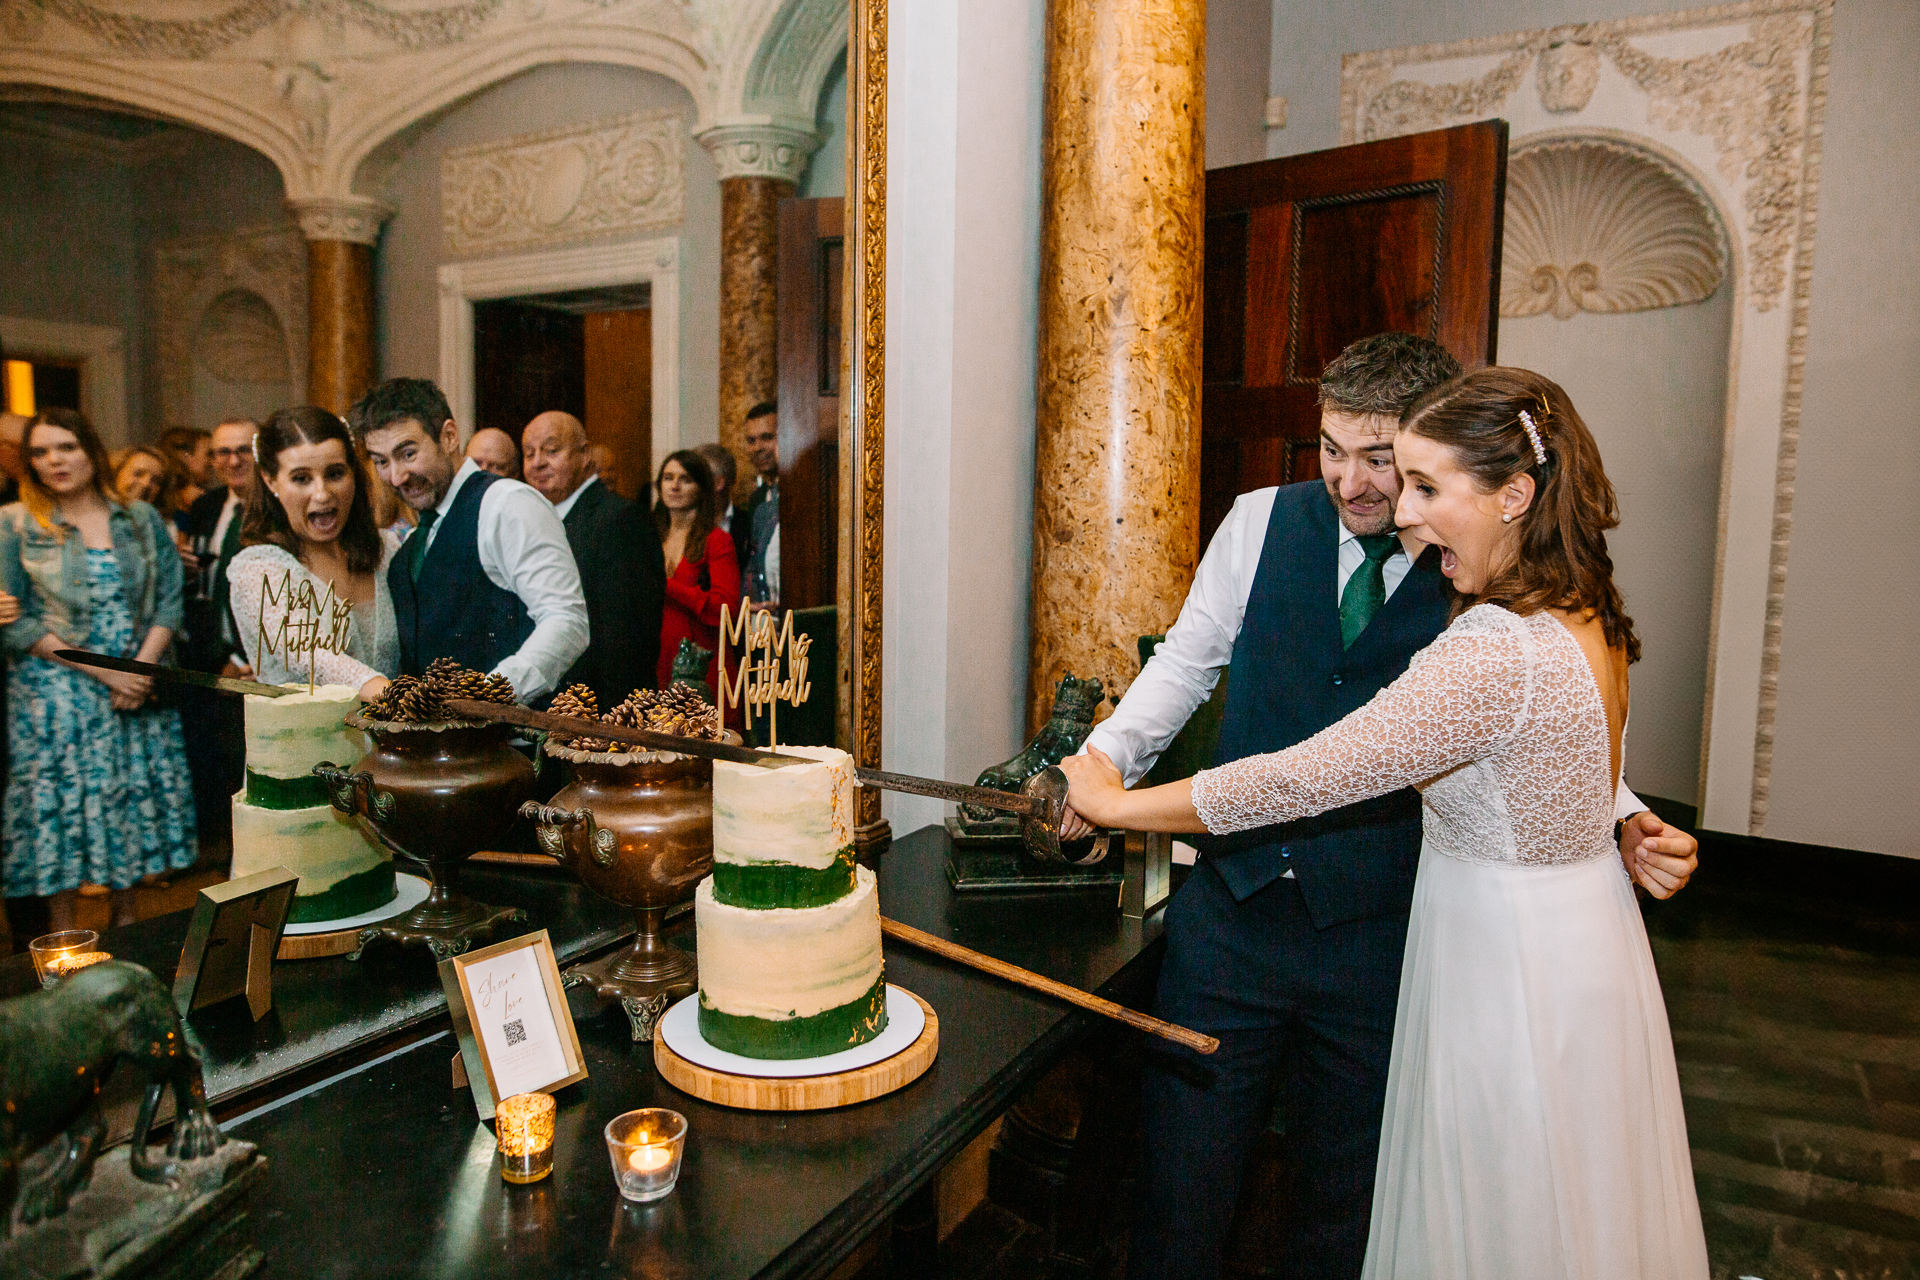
(383, 1170)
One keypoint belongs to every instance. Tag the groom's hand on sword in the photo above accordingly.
(1661, 859)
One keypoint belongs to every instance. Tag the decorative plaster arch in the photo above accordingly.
(1734, 97)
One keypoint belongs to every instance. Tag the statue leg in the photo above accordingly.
(48, 1195)
(195, 1133)
(143, 1165)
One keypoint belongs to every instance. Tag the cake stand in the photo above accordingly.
(855, 1075)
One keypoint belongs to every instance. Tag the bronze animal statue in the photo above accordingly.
(1074, 702)
(57, 1049)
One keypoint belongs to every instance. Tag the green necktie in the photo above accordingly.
(417, 544)
(1367, 588)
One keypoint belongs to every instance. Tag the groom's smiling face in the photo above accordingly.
(1356, 462)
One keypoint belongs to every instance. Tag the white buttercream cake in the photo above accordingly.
(283, 818)
(788, 926)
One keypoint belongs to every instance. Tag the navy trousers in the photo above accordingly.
(1304, 1017)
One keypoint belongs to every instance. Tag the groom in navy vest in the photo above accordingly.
(487, 577)
(1286, 941)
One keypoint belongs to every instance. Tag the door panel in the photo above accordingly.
(1305, 254)
(811, 248)
(619, 397)
(526, 360)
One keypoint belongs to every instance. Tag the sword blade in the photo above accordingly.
(178, 675)
(504, 713)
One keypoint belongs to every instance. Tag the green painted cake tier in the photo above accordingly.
(829, 1031)
(766, 885)
(267, 792)
(358, 894)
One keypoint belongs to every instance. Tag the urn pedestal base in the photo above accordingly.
(448, 923)
(645, 977)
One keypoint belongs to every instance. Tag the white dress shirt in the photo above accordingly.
(523, 549)
(1186, 666)
(229, 512)
(562, 507)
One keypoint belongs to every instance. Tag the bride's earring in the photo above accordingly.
(1506, 517)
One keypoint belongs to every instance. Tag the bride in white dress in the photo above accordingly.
(1533, 1125)
(310, 522)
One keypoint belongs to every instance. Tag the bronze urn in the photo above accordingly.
(435, 794)
(636, 828)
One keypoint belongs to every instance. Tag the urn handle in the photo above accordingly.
(355, 793)
(552, 823)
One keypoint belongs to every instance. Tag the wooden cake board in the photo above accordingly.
(803, 1093)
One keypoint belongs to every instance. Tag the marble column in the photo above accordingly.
(1116, 488)
(760, 165)
(341, 232)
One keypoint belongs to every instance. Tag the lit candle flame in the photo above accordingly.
(650, 1159)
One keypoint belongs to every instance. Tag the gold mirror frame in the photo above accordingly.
(862, 531)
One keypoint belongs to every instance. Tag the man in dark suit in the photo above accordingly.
(622, 573)
(212, 724)
(1286, 941)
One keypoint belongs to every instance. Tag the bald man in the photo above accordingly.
(622, 572)
(494, 450)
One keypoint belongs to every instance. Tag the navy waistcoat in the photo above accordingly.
(455, 611)
(1291, 679)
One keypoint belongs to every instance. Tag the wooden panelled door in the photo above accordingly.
(1306, 254)
(809, 318)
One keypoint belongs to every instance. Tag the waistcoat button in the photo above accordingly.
(1338, 680)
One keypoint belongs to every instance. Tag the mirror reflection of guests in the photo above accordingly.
(1533, 1123)
(98, 790)
(310, 515)
(702, 573)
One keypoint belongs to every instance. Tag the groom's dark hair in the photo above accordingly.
(1385, 374)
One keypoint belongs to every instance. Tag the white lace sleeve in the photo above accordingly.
(247, 577)
(1461, 697)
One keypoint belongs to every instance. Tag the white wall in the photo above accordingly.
(413, 245)
(78, 228)
(827, 171)
(963, 234)
(1237, 54)
(1846, 750)
(1651, 386)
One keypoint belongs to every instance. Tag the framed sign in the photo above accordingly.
(510, 1014)
(231, 942)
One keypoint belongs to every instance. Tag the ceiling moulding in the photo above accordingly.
(1732, 99)
(318, 86)
(540, 190)
(1595, 225)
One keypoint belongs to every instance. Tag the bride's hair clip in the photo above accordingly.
(254, 445)
(1533, 434)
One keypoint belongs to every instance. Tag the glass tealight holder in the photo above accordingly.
(523, 1126)
(58, 954)
(645, 1147)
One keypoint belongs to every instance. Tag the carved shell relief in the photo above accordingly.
(1596, 225)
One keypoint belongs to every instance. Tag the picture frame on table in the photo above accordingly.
(511, 1018)
(232, 940)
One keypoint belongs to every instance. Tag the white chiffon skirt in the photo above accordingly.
(1533, 1128)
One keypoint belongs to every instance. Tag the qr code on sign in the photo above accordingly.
(516, 1033)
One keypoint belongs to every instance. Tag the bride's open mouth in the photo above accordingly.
(322, 521)
(1448, 561)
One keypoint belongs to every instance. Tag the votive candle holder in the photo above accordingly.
(645, 1147)
(523, 1127)
(55, 955)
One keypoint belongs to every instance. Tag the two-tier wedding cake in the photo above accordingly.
(788, 926)
(283, 818)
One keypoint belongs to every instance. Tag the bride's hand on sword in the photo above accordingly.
(1098, 795)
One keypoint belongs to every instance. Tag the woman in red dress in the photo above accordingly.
(703, 572)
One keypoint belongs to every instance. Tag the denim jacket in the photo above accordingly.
(49, 575)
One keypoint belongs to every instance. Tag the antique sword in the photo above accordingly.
(179, 675)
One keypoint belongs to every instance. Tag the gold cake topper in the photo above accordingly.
(760, 683)
(307, 623)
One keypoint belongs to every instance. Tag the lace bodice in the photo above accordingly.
(1498, 723)
(376, 636)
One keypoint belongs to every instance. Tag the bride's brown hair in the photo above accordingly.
(1561, 559)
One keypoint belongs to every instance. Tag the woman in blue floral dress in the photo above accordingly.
(98, 791)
